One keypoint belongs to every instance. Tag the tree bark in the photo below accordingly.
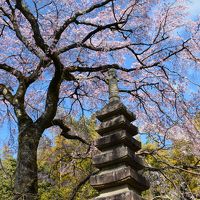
(26, 180)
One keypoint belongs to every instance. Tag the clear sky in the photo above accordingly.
(194, 11)
(195, 7)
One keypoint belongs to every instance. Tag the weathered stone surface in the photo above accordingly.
(131, 195)
(113, 87)
(120, 176)
(117, 138)
(123, 192)
(117, 123)
(121, 154)
(114, 108)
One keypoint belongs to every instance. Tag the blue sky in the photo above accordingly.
(195, 7)
(4, 129)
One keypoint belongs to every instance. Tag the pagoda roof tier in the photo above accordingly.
(121, 154)
(119, 122)
(119, 176)
(114, 108)
(129, 195)
(116, 138)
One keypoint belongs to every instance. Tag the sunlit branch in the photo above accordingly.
(6, 93)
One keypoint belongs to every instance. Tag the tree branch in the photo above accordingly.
(11, 70)
(34, 24)
(44, 63)
(17, 100)
(18, 33)
(52, 94)
(113, 26)
(76, 189)
(6, 93)
(66, 131)
(72, 19)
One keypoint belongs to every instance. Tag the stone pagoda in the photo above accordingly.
(120, 168)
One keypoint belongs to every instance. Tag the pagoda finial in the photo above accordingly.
(113, 86)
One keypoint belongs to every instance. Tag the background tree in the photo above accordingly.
(64, 168)
(7, 169)
(174, 171)
(54, 56)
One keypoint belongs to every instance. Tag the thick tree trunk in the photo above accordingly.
(26, 180)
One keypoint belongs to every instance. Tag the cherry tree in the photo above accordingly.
(54, 59)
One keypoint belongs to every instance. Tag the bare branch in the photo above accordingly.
(11, 70)
(66, 131)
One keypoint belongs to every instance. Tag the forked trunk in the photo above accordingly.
(26, 180)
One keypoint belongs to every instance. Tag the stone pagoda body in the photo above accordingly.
(120, 168)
